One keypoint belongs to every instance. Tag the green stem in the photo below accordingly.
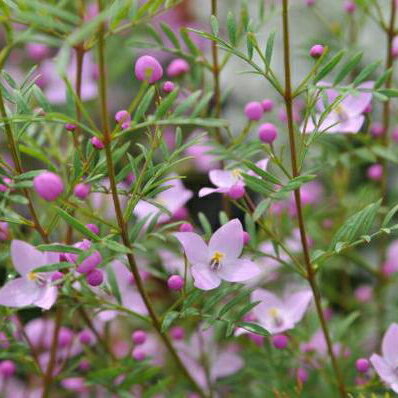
(311, 275)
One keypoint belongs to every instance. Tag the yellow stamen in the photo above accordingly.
(216, 259)
(32, 276)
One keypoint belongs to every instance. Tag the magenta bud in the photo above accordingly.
(310, 3)
(236, 192)
(186, 227)
(256, 339)
(350, 7)
(70, 127)
(139, 337)
(377, 129)
(84, 365)
(126, 125)
(148, 68)
(254, 110)
(362, 365)
(65, 337)
(177, 333)
(168, 87)
(95, 277)
(7, 368)
(246, 237)
(138, 354)
(268, 133)
(56, 276)
(280, 341)
(93, 228)
(4, 232)
(97, 143)
(375, 172)
(48, 185)
(122, 116)
(89, 263)
(395, 135)
(130, 178)
(178, 67)
(175, 282)
(317, 51)
(37, 51)
(267, 105)
(302, 375)
(86, 336)
(181, 213)
(82, 190)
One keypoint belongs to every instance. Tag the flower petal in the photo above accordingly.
(26, 257)
(194, 246)
(389, 347)
(354, 105)
(267, 300)
(223, 178)
(297, 304)
(239, 270)
(227, 363)
(19, 292)
(383, 369)
(47, 297)
(228, 240)
(205, 278)
(208, 191)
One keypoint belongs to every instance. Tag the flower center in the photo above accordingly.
(215, 262)
(36, 277)
(237, 173)
(274, 313)
(341, 113)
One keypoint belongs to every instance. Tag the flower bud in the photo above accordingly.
(95, 277)
(317, 51)
(138, 354)
(122, 116)
(178, 67)
(362, 365)
(186, 227)
(168, 87)
(56, 276)
(48, 185)
(268, 133)
(280, 341)
(82, 190)
(93, 228)
(65, 337)
(254, 110)
(175, 282)
(177, 333)
(86, 336)
(377, 129)
(4, 232)
(350, 7)
(375, 172)
(267, 105)
(37, 51)
(236, 192)
(302, 375)
(70, 127)
(7, 368)
(90, 263)
(246, 237)
(139, 337)
(97, 143)
(148, 68)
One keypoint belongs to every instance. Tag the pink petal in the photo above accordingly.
(227, 363)
(47, 297)
(19, 292)
(205, 278)
(133, 301)
(222, 178)
(208, 191)
(383, 369)
(26, 257)
(239, 271)
(354, 105)
(228, 240)
(268, 300)
(194, 246)
(389, 347)
(350, 126)
(297, 304)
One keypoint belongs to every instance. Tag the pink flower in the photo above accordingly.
(346, 117)
(386, 365)
(173, 199)
(225, 180)
(203, 160)
(278, 315)
(219, 260)
(31, 288)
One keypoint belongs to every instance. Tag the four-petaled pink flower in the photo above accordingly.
(386, 366)
(219, 260)
(278, 315)
(225, 180)
(32, 288)
(346, 117)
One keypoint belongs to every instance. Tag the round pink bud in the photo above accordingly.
(37, 51)
(56, 276)
(95, 277)
(186, 227)
(84, 365)
(268, 133)
(175, 282)
(4, 233)
(256, 339)
(177, 333)
(302, 375)
(139, 337)
(350, 7)
(97, 143)
(267, 105)
(375, 172)
(65, 337)
(328, 223)
(7, 368)
(280, 341)
(310, 3)
(317, 50)
(178, 67)
(364, 293)
(168, 87)
(82, 190)
(377, 129)
(6, 186)
(122, 116)
(148, 68)
(246, 238)
(362, 365)
(48, 185)
(395, 135)
(86, 336)
(138, 354)
(89, 263)
(93, 228)
(254, 110)
(236, 192)
(70, 127)
(130, 178)
(181, 213)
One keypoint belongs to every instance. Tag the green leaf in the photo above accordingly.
(214, 25)
(188, 103)
(347, 68)
(389, 216)
(58, 248)
(269, 49)
(262, 173)
(52, 267)
(253, 328)
(258, 185)
(232, 303)
(144, 105)
(388, 92)
(232, 28)
(365, 73)
(115, 246)
(169, 318)
(170, 35)
(261, 208)
(205, 224)
(113, 284)
(329, 66)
